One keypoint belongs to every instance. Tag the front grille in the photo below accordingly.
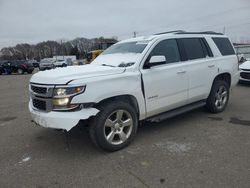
(40, 105)
(245, 69)
(39, 90)
(245, 75)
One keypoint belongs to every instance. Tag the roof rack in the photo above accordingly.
(175, 31)
(204, 32)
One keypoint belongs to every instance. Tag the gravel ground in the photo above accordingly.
(196, 149)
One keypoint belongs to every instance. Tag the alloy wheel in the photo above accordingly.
(118, 127)
(221, 97)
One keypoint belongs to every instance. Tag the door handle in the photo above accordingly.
(211, 66)
(181, 72)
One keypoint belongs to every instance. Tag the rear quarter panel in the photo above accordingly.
(225, 64)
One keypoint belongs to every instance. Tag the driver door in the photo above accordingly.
(166, 85)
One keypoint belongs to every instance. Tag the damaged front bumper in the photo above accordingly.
(61, 120)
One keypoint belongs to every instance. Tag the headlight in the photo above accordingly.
(62, 97)
(68, 91)
(64, 104)
(61, 102)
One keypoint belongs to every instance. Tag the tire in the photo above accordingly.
(218, 97)
(114, 127)
(20, 71)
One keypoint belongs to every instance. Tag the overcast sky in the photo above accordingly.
(31, 21)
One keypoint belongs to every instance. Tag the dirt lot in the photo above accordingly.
(196, 149)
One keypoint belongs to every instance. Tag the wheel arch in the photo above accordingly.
(224, 76)
(127, 98)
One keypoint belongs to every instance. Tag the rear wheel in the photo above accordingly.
(114, 127)
(218, 98)
(20, 71)
(29, 72)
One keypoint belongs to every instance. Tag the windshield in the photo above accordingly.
(129, 47)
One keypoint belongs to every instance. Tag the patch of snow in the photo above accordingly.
(174, 147)
(25, 159)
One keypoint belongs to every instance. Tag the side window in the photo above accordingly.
(207, 50)
(193, 48)
(224, 45)
(167, 48)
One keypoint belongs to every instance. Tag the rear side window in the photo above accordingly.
(167, 48)
(224, 45)
(193, 48)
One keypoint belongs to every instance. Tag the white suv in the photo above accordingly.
(146, 78)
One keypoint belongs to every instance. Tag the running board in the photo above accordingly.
(175, 112)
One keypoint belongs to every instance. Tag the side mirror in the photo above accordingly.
(157, 60)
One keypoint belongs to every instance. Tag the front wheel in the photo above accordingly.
(114, 127)
(218, 98)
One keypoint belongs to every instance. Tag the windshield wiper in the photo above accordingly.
(108, 65)
(126, 64)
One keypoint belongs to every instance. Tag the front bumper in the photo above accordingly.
(245, 75)
(43, 67)
(61, 120)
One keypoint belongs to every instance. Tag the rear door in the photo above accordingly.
(201, 67)
(166, 85)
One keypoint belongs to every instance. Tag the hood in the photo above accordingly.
(117, 59)
(245, 65)
(67, 74)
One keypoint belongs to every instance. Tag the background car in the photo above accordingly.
(92, 55)
(78, 62)
(5, 67)
(1, 67)
(46, 64)
(245, 72)
(17, 66)
(35, 63)
(61, 63)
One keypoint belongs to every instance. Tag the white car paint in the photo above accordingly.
(60, 63)
(60, 120)
(159, 96)
(64, 75)
(245, 69)
(165, 87)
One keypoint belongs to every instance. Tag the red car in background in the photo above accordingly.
(18, 66)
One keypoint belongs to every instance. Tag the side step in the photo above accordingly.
(175, 112)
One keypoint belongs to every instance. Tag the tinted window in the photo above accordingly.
(193, 48)
(224, 45)
(167, 48)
